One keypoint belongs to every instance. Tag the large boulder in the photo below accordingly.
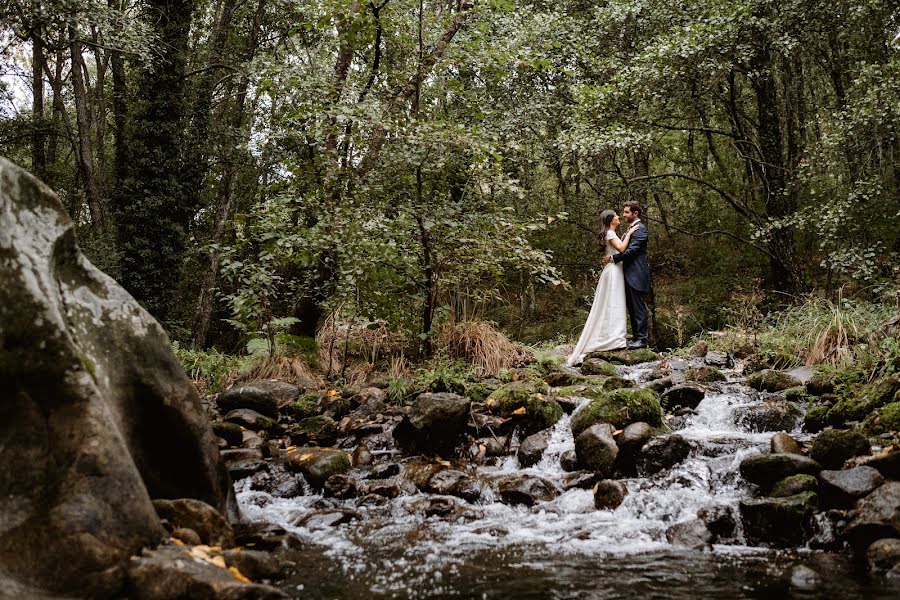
(263, 397)
(596, 449)
(527, 404)
(97, 416)
(526, 489)
(685, 395)
(767, 469)
(435, 422)
(858, 405)
(532, 448)
(774, 415)
(618, 408)
(842, 488)
(663, 453)
(877, 516)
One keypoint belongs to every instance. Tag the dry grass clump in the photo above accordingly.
(480, 343)
(283, 367)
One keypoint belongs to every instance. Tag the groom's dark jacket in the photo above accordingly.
(637, 271)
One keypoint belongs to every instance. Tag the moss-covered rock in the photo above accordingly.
(833, 447)
(479, 392)
(822, 382)
(318, 464)
(597, 366)
(793, 485)
(540, 413)
(304, 406)
(770, 380)
(626, 357)
(863, 400)
(230, 432)
(318, 430)
(884, 419)
(816, 418)
(704, 375)
(796, 394)
(617, 383)
(774, 415)
(513, 396)
(620, 408)
(781, 522)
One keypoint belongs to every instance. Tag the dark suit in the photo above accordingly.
(637, 280)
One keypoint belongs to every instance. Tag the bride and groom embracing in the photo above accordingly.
(624, 281)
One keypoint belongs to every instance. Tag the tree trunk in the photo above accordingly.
(38, 134)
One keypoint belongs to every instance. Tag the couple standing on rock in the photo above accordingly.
(622, 285)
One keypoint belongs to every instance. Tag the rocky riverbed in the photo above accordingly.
(675, 475)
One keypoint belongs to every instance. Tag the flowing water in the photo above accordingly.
(564, 548)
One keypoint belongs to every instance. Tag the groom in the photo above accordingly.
(637, 274)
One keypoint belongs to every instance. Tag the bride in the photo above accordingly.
(605, 327)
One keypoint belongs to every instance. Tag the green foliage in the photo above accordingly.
(444, 376)
(210, 366)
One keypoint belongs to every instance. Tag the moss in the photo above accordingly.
(884, 419)
(796, 394)
(304, 406)
(480, 391)
(833, 447)
(793, 485)
(617, 383)
(704, 375)
(596, 366)
(862, 400)
(770, 380)
(822, 382)
(816, 418)
(626, 357)
(620, 408)
(513, 396)
(540, 413)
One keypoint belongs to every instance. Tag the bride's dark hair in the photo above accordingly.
(606, 218)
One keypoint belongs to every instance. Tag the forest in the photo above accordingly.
(359, 240)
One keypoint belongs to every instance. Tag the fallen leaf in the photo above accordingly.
(176, 541)
(519, 411)
(218, 561)
(238, 575)
(618, 431)
(332, 393)
(482, 448)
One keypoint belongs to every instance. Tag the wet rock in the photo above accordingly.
(267, 537)
(442, 481)
(230, 432)
(793, 485)
(494, 446)
(833, 447)
(567, 403)
(626, 357)
(770, 380)
(435, 422)
(385, 489)
(467, 488)
(692, 534)
(187, 535)
(824, 530)
(864, 400)
(251, 419)
(597, 366)
(250, 440)
(719, 359)
(170, 572)
(532, 448)
(699, 349)
(326, 519)
(240, 469)
(887, 464)
(774, 415)
(840, 489)
(335, 406)
(609, 494)
(303, 406)
(816, 418)
(596, 449)
(582, 480)
(780, 522)
(883, 555)
(320, 431)
(525, 489)
(253, 564)
(369, 395)
(318, 464)
(805, 579)
(277, 481)
(619, 408)
(662, 453)
(339, 486)
(782, 443)
(250, 396)
(719, 521)
(236, 454)
(884, 420)
(877, 516)
(704, 375)
(765, 470)
(633, 437)
(569, 461)
(686, 395)
(361, 456)
(205, 520)
(659, 385)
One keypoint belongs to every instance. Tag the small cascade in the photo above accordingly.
(405, 547)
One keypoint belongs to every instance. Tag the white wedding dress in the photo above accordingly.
(606, 325)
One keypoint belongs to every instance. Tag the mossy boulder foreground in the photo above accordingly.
(527, 403)
(619, 408)
(860, 403)
(770, 380)
(97, 417)
(625, 357)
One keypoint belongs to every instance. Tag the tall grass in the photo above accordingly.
(482, 345)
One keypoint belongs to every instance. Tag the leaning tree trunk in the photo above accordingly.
(38, 134)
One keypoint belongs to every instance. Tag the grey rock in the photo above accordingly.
(239, 469)
(883, 555)
(773, 415)
(569, 461)
(633, 437)
(253, 564)
(596, 449)
(780, 522)
(98, 416)
(253, 397)
(684, 395)
(251, 419)
(841, 489)
(793, 485)
(662, 453)
(693, 534)
(532, 448)
(766, 469)
(339, 486)
(435, 422)
(527, 490)
(805, 579)
(582, 480)
(877, 516)
(833, 447)
(719, 521)
(318, 464)
(721, 360)
(782, 443)
(609, 494)
(209, 524)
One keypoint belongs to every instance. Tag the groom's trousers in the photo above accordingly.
(637, 313)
